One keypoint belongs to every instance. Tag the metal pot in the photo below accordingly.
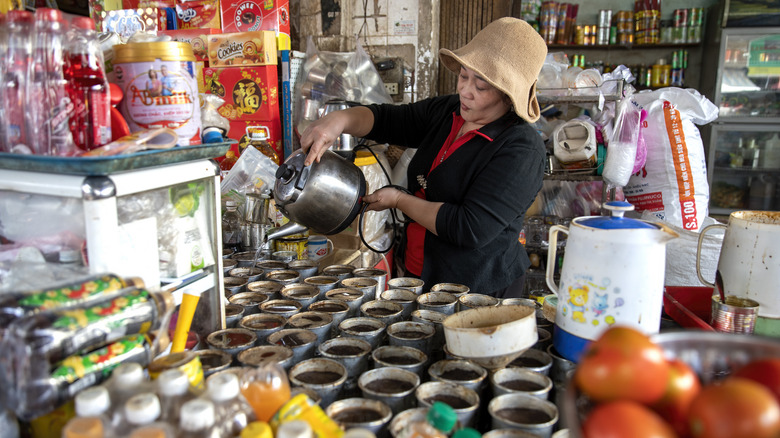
(344, 142)
(325, 197)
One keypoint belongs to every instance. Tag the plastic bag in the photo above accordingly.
(681, 254)
(325, 76)
(673, 184)
(622, 145)
(253, 172)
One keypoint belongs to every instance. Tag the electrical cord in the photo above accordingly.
(393, 216)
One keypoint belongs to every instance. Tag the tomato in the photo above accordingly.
(623, 364)
(622, 419)
(682, 387)
(734, 408)
(765, 372)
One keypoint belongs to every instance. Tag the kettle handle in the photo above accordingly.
(551, 255)
(698, 252)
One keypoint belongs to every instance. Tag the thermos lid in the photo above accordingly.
(616, 221)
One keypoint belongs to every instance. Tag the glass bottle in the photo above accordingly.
(227, 163)
(258, 138)
(142, 409)
(12, 94)
(233, 412)
(231, 226)
(198, 420)
(94, 402)
(84, 427)
(266, 389)
(173, 388)
(48, 107)
(87, 86)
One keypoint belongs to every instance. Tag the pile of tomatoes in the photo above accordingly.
(638, 392)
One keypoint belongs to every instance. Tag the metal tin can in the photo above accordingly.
(186, 361)
(160, 89)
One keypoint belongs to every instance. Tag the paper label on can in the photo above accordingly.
(161, 94)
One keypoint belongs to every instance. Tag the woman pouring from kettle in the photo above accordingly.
(478, 167)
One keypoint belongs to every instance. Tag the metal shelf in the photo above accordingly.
(580, 95)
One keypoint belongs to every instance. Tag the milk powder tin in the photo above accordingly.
(160, 89)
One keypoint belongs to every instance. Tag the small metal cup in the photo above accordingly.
(409, 283)
(467, 399)
(501, 406)
(736, 315)
(393, 386)
(367, 285)
(339, 271)
(443, 302)
(407, 358)
(372, 415)
(326, 377)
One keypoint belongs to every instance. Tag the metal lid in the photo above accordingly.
(162, 50)
(616, 221)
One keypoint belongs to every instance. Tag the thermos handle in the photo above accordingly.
(698, 252)
(551, 255)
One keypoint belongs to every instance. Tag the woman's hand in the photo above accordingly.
(320, 135)
(384, 198)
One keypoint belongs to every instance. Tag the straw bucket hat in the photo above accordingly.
(508, 53)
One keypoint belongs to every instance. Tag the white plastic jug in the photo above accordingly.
(612, 273)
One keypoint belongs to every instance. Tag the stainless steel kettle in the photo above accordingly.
(325, 197)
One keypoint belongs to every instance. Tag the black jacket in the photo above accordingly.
(486, 187)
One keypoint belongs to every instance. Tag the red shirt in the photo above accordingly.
(415, 233)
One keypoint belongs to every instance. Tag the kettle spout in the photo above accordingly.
(665, 233)
(287, 229)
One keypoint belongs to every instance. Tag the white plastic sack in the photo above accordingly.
(681, 254)
(673, 184)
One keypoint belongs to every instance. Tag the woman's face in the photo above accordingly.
(480, 102)
(152, 74)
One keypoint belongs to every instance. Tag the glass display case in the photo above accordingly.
(744, 142)
(160, 223)
(748, 88)
(744, 163)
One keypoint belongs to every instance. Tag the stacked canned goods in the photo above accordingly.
(647, 14)
(695, 24)
(605, 21)
(548, 21)
(624, 23)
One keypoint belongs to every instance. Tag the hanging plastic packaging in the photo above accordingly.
(621, 149)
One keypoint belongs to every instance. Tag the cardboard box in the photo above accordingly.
(250, 93)
(200, 14)
(97, 7)
(273, 129)
(126, 22)
(251, 15)
(197, 38)
(242, 49)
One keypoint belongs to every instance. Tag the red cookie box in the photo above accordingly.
(238, 132)
(200, 14)
(197, 38)
(249, 15)
(242, 49)
(250, 93)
